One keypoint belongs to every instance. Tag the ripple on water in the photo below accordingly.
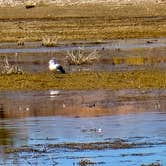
(47, 132)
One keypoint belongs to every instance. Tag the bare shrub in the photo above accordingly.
(78, 57)
(49, 41)
(7, 68)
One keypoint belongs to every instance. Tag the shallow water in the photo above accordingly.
(36, 126)
(116, 55)
(39, 119)
(145, 128)
(113, 44)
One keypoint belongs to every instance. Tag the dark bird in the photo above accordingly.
(54, 66)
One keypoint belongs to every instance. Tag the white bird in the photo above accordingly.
(54, 93)
(54, 66)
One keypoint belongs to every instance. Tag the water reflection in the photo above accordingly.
(5, 134)
(31, 118)
(136, 128)
(21, 104)
(79, 103)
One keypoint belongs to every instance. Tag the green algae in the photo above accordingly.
(84, 80)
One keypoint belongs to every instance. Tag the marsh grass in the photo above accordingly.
(82, 22)
(7, 68)
(79, 57)
(85, 80)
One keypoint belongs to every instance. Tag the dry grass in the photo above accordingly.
(84, 80)
(78, 57)
(83, 22)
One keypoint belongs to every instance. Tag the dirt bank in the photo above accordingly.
(71, 2)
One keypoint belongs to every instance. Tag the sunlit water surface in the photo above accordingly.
(35, 119)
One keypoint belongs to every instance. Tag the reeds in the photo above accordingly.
(78, 57)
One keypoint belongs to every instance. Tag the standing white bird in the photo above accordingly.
(54, 66)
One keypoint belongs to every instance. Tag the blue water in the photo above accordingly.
(138, 128)
(34, 119)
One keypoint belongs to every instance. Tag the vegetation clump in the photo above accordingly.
(78, 57)
(20, 42)
(49, 41)
(85, 162)
(7, 68)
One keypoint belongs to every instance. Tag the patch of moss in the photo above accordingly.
(84, 80)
